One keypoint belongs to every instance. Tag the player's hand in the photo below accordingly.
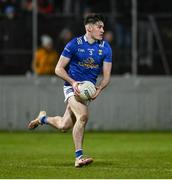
(98, 90)
(75, 87)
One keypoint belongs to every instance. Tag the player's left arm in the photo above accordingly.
(107, 66)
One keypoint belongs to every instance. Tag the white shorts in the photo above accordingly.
(69, 91)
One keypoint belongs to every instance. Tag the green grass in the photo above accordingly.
(116, 155)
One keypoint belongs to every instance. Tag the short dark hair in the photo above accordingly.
(93, 18)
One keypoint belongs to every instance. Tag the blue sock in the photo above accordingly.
(43, 120)
(79, 153)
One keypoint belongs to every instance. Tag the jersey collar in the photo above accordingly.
(86, 40)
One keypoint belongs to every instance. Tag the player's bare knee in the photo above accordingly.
(83, 118)
(65, 126)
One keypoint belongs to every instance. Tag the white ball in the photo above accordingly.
(87, 90)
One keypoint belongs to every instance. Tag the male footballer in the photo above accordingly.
(82, 59)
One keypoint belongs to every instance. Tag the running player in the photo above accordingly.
(83, 58)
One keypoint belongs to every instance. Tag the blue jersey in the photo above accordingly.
(86, 60)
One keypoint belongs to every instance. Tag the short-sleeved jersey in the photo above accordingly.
(86, 60)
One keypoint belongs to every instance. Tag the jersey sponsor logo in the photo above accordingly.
(91, 51)
(89, 63)
(81, 50)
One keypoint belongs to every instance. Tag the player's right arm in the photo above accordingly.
(61, 72)
(64, 60)
(60, 69)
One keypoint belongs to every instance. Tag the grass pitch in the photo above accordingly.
(116, 155)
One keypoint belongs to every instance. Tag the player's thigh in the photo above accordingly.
(69, 117)
(77, 107)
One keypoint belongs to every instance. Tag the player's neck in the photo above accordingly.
(89, 38)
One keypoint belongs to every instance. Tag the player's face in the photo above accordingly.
(97, 30)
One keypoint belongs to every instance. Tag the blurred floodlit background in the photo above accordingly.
(140, 34)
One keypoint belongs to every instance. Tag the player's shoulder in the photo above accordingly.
(104, 44)
(79, 40)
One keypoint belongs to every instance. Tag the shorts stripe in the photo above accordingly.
(68, 92)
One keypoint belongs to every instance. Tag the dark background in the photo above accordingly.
(154, 39)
